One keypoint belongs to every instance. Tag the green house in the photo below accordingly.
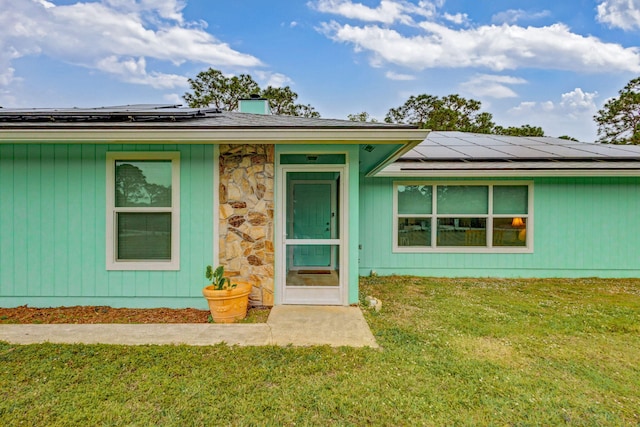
(125, 206)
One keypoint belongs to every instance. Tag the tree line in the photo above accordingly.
(618, 121)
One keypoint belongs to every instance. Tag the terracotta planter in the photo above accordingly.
(227, 306)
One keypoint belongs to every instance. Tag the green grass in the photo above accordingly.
(455, 352)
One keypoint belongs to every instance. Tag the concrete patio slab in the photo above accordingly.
(319, 325)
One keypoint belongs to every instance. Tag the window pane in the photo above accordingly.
(463, 199)
(144, 236)
(510, 231)
(510, 199)
(414, 199)
(143, 183)
(414, 232)
(462, 232)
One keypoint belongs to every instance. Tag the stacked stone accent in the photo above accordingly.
(246, 217)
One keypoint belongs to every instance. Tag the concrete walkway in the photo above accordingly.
(286, 325)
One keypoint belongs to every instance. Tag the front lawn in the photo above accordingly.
(455, 352)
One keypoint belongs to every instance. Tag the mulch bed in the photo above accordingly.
(101, 314)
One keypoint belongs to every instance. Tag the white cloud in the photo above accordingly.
(46, 4)
(578, 100)
(388, 12)
(174, 98)
(391, 75)
(7, 76)
(493, 86)
(494, 47)
(512, 16)
(623, 14)
(571, 115)
(164, 9)
(272, 79)
(135, 71)
(458, 18)
(108, 34)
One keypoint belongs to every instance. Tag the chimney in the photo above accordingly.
(255, 105)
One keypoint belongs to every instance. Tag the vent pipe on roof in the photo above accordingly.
(255, 104)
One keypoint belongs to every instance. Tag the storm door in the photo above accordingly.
(312, 241)
(312, 209)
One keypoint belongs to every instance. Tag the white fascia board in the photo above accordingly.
(213, 136)
(508, 173)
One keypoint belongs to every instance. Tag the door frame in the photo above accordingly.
(312, 295)
(333, 219)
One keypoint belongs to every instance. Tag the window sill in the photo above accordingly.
(144, 266)
(462, 250)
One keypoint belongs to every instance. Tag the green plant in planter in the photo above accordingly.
(218, 281)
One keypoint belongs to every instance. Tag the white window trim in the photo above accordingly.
(489, 216)
(112, 263)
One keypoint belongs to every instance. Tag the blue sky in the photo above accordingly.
(545, 63)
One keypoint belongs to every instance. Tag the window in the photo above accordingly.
(143, 211)
(463, 217)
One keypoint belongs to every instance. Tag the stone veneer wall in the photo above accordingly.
(246, 217)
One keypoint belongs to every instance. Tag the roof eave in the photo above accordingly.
(396, 155)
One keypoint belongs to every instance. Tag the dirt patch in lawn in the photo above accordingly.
(105, 314)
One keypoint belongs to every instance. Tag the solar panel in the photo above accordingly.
(473, 146)
(413, 154)
(130, 112)
(524, 152)
(481, 152)
(605, 150)
(439, 153)
(539, 140)
(447, 142)
(486, 140)
(625, 147)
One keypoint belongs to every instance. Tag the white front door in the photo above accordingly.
(312, 200)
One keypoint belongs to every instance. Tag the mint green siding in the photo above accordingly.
(52, 229)
(582, 227)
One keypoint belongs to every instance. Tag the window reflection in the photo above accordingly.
(462, 232)
(414, 232)
(510, 231)
(143, 183)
